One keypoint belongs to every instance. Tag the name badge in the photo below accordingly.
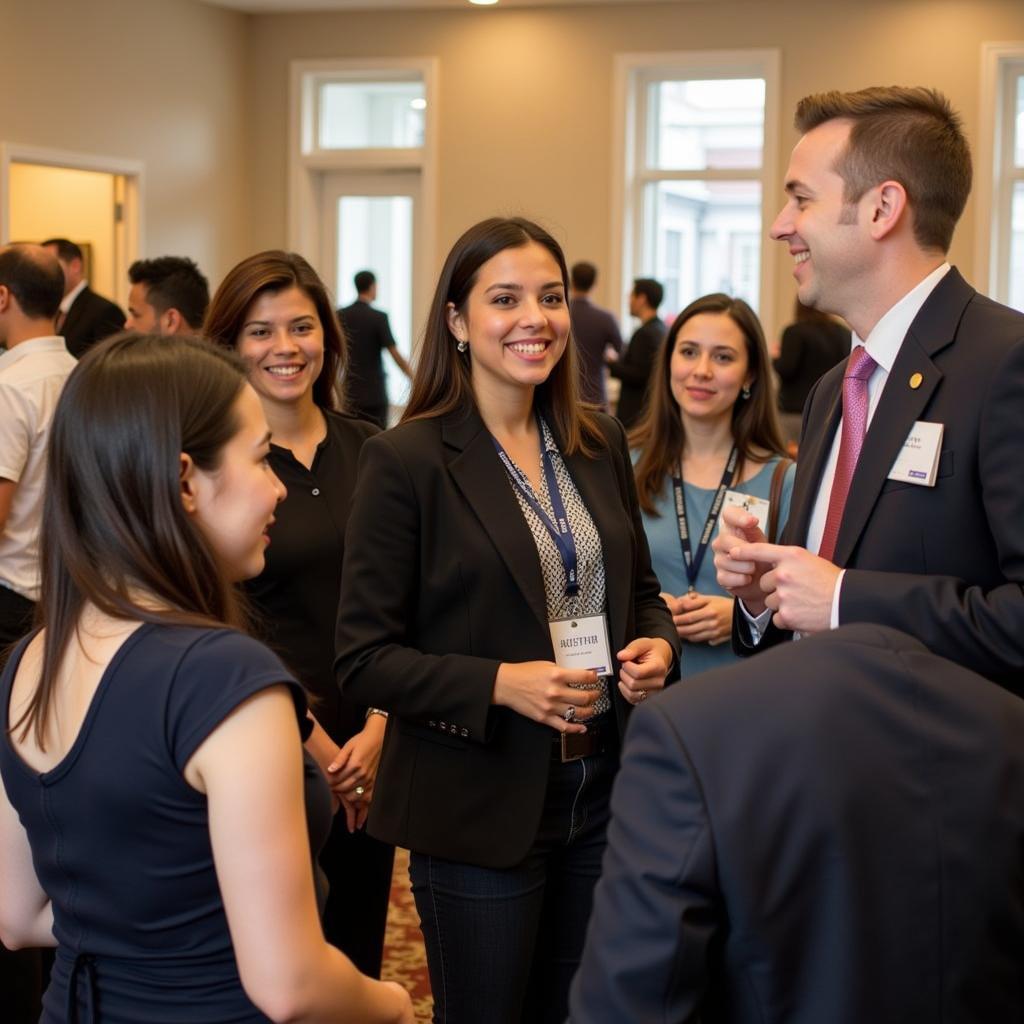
(582, 644)
(755, 506)
(918, 461)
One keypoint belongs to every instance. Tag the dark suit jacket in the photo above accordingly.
(593, 330)
(368, 334)
(943, 563)
(635, 367)
(809, 350)
(441, 583)
(830, 834)
(91, 318)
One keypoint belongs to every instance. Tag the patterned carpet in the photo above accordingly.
(404, 958)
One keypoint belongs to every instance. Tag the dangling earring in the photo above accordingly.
(745, 392)
(462, 345)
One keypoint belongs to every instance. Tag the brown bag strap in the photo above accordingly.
(775, 497)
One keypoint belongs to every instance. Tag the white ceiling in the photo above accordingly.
(295, 6)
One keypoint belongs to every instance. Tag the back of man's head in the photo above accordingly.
(173, 282)
(582, 276)
(364, 281)
(651, 290)
(909, 135)
(34, 280)
(65, 249)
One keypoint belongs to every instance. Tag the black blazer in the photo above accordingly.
(368, 333)
(635, 369)
(91, 318)
(943, 563)
(441, 583)
(830, 834)
(810, 349)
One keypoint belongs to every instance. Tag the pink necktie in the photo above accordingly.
(859, 368)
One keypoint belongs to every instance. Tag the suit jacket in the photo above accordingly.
(635, 367)
(809, 350)
(830, 834)
(593, 330)
(91, 318)
(368, 334)
(441, 583)
(943, 563)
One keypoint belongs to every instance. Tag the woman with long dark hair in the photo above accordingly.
(154, 779)
(498, 601)
(710, 437)
(274, 311)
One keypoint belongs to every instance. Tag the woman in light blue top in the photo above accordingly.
(710, 435)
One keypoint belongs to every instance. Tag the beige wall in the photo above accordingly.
(526, 94)
(159, 81)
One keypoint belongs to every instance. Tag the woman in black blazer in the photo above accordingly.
(498, 507)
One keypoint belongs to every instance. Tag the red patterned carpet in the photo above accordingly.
(404, 958)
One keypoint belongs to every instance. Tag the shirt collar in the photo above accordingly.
(46, 343)
(883, 343)
(65, 303)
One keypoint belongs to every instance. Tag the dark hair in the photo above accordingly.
(115, 533)
(660, 435)
(442, 384)
(35, 279)
(66, 251)
(173, 282)
(364, 281)
(650, 289)
(909, 135)
(274, 271)
(583, 276)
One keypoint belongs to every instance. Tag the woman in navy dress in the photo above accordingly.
(153, 773)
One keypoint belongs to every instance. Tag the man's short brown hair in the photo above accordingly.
(909, 135)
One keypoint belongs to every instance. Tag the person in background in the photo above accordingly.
(634, 368)
(369, 337)
(497, 599)
(84, 317)
(274, 311)
(168, 295)
(157, 814)
(709, 439)
(595, 333)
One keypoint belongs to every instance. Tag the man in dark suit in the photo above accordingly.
(908, 493)
(594, 331)
(368, 334)
(635, 367)
(84, 316)
(829, 835)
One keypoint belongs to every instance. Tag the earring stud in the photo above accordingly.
(462, 346)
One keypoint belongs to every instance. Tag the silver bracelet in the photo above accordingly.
(376, 711)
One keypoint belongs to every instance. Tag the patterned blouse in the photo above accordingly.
(589, 599)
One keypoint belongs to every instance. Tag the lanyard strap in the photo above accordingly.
(560, 531)
(691, 561)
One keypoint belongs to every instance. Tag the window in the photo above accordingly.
(370, 115)
(698, 137)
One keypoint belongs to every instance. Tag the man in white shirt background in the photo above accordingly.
(929, 544)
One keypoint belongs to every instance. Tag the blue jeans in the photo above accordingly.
(503, 944)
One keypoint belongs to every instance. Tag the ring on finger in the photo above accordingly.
(570, 713)
(360, 790)
(641, 697)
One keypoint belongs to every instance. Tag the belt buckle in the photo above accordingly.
(574, 746)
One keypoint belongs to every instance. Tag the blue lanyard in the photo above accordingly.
(560, 531)
(692, 562)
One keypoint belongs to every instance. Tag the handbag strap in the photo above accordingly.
(775, 497)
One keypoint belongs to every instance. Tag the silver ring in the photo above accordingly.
(570, 713)
(360, 790)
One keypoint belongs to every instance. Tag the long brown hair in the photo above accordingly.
(660, 435)
(275, 271)
(442, 384)
(114, 531)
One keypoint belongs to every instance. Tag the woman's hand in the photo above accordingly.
(540, 690)
(704, 618)
(352, 772)
(645, 663)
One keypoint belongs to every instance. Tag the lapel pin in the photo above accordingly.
(915, 381)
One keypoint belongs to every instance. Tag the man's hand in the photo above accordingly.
(741, 576)
(799, 587)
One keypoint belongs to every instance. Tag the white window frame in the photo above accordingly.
(308, 162)
(996, 176)
(632, 73)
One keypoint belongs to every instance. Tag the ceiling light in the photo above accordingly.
(483, 3)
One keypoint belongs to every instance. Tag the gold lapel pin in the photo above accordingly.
(916, 380)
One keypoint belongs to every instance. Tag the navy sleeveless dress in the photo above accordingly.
(121, 843)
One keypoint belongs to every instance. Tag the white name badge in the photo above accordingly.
(755, 506)
(582, 644)
(918, 461)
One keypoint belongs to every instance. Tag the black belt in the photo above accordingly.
(600, 738)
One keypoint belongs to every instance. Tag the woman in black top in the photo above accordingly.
(274, 311)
